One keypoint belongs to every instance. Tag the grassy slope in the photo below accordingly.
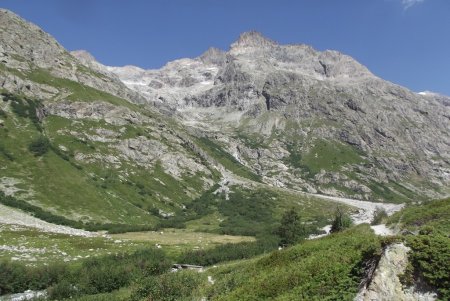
(435, 214)
(57, 184)
(323, 269)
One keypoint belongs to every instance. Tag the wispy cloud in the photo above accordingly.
(409, 3)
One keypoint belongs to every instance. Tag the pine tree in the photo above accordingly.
(291, 230)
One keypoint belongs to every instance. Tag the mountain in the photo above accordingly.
(306, 119)
(142, 145)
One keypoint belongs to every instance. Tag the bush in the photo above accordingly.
(168, 287)
(26, 108)
(109, 273)
(379, 216)
(15, 277)
(341, 221)
(40, 146)
(330, 268)
(429, 260)
(227, 252)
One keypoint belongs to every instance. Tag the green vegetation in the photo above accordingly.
(327, 155)
(16, 277)
(291, 230)
(429, 260)
(379, 216)
(5, 153)
(227, 160)
(341, 221)
(91, 276)
(79, 92)
(430, 249)
(25, 108)
(435, 214)
(109, 273)
(168, 287)
(60, 220)
(39, 146)
(325, 269)
(228, 252)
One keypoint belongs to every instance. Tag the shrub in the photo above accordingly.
(26, 108)
(109, 273)
(15, 277)
(429, 259)
(227, 252)
(39, 146)
(379, 216)
(341, 221)
(168, 287)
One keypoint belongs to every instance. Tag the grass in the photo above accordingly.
(79, 92)
(326, 155)
(435, 214)
(227, 160)
(177, 241)
(324, 269)
(36, 248)
(330, 268)
(87, 191)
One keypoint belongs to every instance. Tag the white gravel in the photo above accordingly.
(382, 230)
(366, 209)
(12, 216)
(27, 295)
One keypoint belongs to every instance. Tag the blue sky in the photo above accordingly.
(404, 41)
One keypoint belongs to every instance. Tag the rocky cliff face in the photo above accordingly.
(274, 107)
(386, 285)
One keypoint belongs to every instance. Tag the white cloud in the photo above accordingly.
(408, 3)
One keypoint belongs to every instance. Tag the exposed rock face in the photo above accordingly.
(261, 87)
(386, 285)
(27, 48)
(96, 111)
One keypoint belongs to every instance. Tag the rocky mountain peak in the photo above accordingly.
(253, 39)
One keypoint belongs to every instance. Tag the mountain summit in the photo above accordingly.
(253, 39)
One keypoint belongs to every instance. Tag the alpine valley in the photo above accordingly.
(109, 175)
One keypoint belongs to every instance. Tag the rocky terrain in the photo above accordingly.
(278, 108)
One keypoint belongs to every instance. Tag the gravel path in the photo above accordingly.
(366, 209)
(12, 216)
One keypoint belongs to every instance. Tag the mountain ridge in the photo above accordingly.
(288, 117)
(245, 85)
